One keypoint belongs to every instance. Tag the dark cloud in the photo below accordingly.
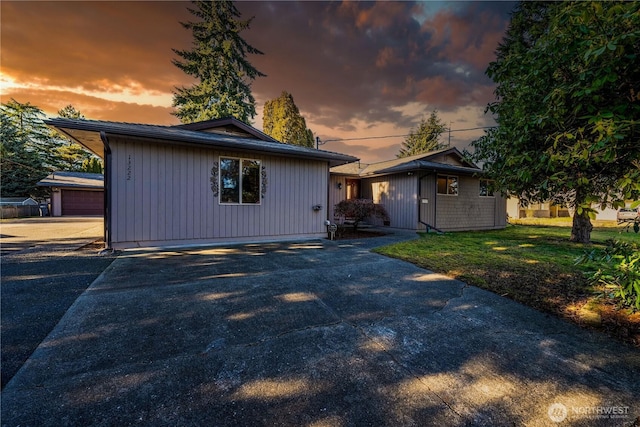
(362, 60)
(350, 66)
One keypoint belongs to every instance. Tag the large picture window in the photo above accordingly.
(448, 185)
(239, 181)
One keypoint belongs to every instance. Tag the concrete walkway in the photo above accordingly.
(312, 334)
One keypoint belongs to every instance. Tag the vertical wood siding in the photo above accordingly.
(162, 195)
(398, 194)
(336, 195)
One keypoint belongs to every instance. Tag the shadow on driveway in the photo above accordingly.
(312, 333)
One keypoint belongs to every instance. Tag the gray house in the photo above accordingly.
(437, 190)
(203, 183)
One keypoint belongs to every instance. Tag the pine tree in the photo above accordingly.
(218, 60)
(93, 165)
(72, 155)
(21, 166)
(282, 120)
(425, 138)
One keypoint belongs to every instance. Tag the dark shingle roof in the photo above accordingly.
(424, 161)
(87, 133)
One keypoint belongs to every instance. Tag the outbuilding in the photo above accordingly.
(219, 181)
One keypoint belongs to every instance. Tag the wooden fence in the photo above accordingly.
(7, 211)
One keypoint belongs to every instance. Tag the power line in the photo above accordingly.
(400, 136)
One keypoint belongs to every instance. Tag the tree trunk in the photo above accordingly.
(581, 229)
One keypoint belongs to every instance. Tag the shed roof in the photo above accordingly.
(87, 133)
(73, 180)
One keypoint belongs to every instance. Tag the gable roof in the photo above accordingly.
(87, 133)
(423, 161)
(226, 126)
(73, 180)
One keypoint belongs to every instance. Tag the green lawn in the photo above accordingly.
(535, 265)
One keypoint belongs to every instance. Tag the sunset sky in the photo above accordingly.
(355, 69)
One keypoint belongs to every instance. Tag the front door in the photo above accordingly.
(353, 189)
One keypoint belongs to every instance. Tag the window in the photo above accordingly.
(448, 185)
(485, 188)
(239, 181)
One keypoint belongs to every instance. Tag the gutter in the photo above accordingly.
(107, 190)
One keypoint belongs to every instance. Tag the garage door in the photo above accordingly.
(76, 202)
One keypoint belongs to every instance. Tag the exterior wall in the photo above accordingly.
(398, 194)
(336, 195)
(161, 195)
(469, 211)
(56, 203)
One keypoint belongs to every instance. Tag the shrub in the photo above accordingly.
(359, 210)
(619, 272)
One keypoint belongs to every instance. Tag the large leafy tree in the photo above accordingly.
(22, 136)
(218, 61)
(425, 137)
(282, 120)
(567, 108)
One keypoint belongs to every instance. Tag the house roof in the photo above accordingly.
(87, 133)
(424, 161)
(17, 201)
(223, 125)
(73, 180)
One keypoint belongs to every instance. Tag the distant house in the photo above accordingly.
(436, 190)
(18, 201)
(218, 181)
(75, 193)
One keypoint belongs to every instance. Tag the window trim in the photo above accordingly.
(448, 186)
(490, 193)
(259, 188)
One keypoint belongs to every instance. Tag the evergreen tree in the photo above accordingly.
(21, 166)
(218, 61)
(425, 138)
(93, 165)
(72, 156)
(282, 121)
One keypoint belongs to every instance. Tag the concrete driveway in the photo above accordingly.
(48, 233)
(312, 334)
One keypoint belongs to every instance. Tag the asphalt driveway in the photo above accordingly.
(45, 265)
(312, 334)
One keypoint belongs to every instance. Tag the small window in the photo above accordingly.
(448, 185)
(239, 181)
(485, 188)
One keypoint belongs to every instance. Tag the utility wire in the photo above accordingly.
(399, 136)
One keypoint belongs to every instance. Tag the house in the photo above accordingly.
(17, 201)
(218, 181)
(436, 190)
(75, 193)
(517, 209)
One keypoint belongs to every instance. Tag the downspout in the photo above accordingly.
(107, 189)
